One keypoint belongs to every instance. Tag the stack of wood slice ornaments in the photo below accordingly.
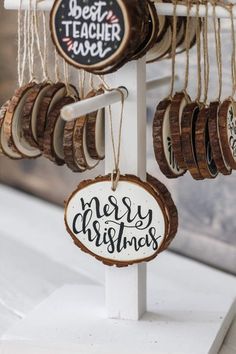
(100, 37)
(121, 227)
(31, 126)
(204, 141)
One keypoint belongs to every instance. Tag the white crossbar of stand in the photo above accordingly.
(162, 8)
(85, 106)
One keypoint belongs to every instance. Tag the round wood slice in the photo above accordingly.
(153, 30)
(178, 103)
(131, 18)
(81, 154)
(93, 239)
(206, 163)
(188, 125)
(30, 112)
(3, 111)
(54, 132)
(68, 145)
(51, 97)
(192, 35)
(12, 125)
(171, 210)
(95, 131)
(213, 125)
(162, 47)
(227, 131)
(162, 142)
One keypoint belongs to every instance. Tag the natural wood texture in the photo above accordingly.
(133, 179)
(136, 17)
(7, 127)
(159, 137)
(171, 210)
(206, 163)
(91, 139)
(68, 145)
(178, 103)
(49, 150)
(188, 123)
(227, 120)
(213, 125)
(153, 29)
(44, 110)
(3, 111)
(28, 111)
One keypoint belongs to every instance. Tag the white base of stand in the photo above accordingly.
(190, 310)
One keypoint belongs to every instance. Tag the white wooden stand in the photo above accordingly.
(130, 304)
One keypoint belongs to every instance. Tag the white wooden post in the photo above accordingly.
(126, 288)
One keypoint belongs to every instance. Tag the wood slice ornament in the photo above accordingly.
(121, 227)
(162, 141)
(206, 163)
(216, 146)
(188, 126)
(179, 101)
(95, 130)
(30, 112)
(227, 131)
(13, 125)
(3, 111)
(96, 35)
(54, 132)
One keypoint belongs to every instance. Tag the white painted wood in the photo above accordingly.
(80, 108)
(133, 161)
(162, 8)
(185, 315)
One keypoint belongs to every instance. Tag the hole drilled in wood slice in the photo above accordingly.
(227, 131)
(30, 112)
(162, 142)
(188, 125)
(213, 125)
(206, 163)
(179, 101)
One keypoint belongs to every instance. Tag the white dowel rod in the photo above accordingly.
(72, 111)
(162, 8)
(80, 108)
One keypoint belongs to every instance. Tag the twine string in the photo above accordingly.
(206, 55)
(199, 68)
(173, 49)
(187, 46)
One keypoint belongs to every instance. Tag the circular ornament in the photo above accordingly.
(30, 112)
(95, 131)
(227, 130)
(94, 35)
(179, 101)
(188, 125)
(12, 125)
(121, 227)
(3, 111)
(213, 125)
(206, 163)
(54, 132)
(162, 142)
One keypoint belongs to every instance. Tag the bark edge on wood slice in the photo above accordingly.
(213, 125)
(178, 102)
(227, 131)
(171, 209)
(162, 143)
(188, 123)
(204, 156)
(103, 191)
